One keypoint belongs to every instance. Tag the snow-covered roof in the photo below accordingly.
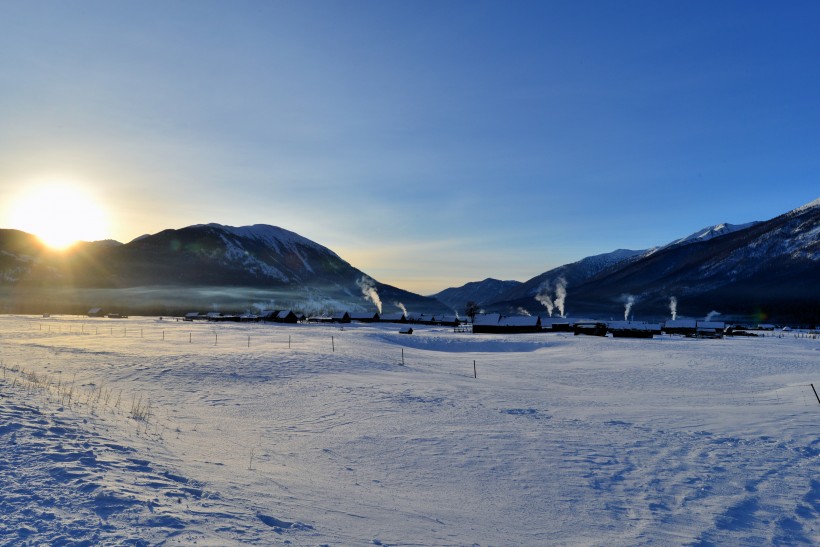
(519, 321)
(447, 318)
(549, 321)
(633, 325)
(418, 317)
(712, 325)
(485, 319)
(681, 324)
(363, 315)
(398, 316)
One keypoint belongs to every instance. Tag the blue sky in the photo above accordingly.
(429, 143)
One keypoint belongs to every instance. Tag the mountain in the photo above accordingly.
(571, 274)
(197, 267)
(766, 270)
(480, 292)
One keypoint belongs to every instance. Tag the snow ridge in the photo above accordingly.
(273, 236)
(806, 207)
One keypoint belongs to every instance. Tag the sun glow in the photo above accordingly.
(59, 213)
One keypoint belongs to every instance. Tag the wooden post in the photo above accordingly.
(249, 340)
(189, 337)
(216, 338)
(288, 341)
(333, 344)
(163, 335)
(475, 373)
(402, 356)
(815, 392)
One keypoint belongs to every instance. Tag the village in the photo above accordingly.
(493, 323)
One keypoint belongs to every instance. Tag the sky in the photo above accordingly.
(428, 143)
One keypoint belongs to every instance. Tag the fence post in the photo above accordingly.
(475, 373)
(402, 356)
(333, 344)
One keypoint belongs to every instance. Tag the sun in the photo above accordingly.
(59, 213)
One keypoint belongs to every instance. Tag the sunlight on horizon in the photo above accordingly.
(59, 212)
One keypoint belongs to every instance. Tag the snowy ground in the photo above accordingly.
(141, 431)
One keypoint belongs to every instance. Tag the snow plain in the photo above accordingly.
(143, 432)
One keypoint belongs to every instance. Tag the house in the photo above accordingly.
(340, 318)
(520, 324)
(590, 328)
(484, 323)
(286, 316)
(710, 329)
(633, 329)
(448, 320)
(217, 316)
(512, 324)
(421, 318)
(96, 312)
(320, 319)
(397, 317)
(686, 327)
(556, 324)
(191, 316)
(249, 318)
(364, 317)
(268, 315)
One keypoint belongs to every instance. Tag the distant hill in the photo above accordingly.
(198, 267)
(480, 292)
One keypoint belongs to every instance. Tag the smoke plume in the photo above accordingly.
(628, 302)
(711, 315)
(673, 307)
(522, 311)
(544, 298)
(368, 288)
(401, 307)
(560, 295)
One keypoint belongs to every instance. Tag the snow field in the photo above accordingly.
(560, 440)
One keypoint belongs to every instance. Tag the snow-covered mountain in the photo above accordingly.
(767, 269)
(202, 266)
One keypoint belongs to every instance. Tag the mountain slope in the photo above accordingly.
(480, 292)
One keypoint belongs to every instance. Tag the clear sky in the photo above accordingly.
(429, 143)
